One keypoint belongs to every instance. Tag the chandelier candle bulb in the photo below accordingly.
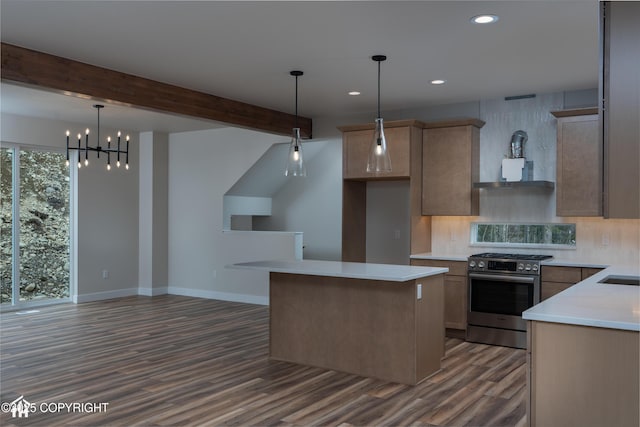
(67, 161)
(86, 148)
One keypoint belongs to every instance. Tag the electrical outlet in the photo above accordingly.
(453, 236)
(105, 274)
(605, 239)
(396, 234)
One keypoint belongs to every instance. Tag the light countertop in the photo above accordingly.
(590, 303)
(352, 270)
(439, 257)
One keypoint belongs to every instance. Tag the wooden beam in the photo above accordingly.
(42, 70)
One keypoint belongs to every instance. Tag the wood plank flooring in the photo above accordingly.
(179, 361)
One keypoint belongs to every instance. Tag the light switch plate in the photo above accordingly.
(419, 291)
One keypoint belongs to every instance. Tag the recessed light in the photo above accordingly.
(354, 93)
(484, 19)
(438, 82)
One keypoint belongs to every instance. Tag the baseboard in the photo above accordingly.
(152, 292)
(97, 296)
(172, 290)
(224, 296)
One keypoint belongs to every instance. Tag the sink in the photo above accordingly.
(621, 280)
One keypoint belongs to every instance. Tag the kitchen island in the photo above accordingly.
(583, 354)
(376, 320)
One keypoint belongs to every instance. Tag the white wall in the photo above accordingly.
(203, 165)
(312, 204)
(107, 209)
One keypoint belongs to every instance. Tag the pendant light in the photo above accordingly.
(379, 160)
(295, 162)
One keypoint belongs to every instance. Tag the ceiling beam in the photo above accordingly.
(50, 72)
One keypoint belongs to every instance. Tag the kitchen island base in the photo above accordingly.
(582, 376)
(374, 328)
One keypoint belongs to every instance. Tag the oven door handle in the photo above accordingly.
(498, 278)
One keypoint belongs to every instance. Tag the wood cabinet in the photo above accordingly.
(556, 279)
(404, 139)
(579, 163)
(581, 376)
(620, 89)
(450, 166)
(356, 142)
(455, 294)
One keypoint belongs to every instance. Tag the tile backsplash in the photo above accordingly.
(598, 240)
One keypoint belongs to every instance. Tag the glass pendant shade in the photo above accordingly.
(379, 159)
(295, 162)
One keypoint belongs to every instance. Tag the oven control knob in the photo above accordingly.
(534, 267)
(481, 264)
(528, 267)
(521, 266)
(472, 264)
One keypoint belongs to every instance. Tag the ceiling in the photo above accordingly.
(244, 51)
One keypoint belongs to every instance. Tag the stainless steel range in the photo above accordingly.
(501, 287)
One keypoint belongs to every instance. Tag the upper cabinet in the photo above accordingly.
(450, 166)
(404, 141)
(357, 140)
(620, 87)
(579, 163)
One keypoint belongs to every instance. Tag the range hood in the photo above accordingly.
(547, 185)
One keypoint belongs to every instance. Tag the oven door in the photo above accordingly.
(498, 300)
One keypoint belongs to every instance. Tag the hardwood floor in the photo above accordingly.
(179, 361)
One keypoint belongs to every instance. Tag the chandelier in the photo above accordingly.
(117, 151)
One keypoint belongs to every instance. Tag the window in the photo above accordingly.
(524, 235)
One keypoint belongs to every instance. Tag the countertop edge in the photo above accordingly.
(313, 269)
(575, 305)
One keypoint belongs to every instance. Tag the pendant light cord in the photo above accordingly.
(98, 108)
(378, 90)
(379, 59)
(296, 74)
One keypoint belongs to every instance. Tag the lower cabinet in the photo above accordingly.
(556, 279)
(455, 294)
(582, 376)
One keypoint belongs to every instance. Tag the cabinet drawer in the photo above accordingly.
(562, 274)
(549, 289)
(456, 268)
(588, 272)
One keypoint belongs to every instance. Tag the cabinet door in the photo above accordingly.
(455, 291)
(621, 112)
(450, 166)
(579, 167)
(356, 146)
(455, 302)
